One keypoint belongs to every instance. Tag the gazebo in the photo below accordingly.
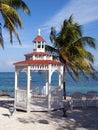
(49, 97)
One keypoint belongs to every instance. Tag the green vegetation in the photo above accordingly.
(69, 45)
(11, 18)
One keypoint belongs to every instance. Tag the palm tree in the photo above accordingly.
(69, 45)
(11, 18)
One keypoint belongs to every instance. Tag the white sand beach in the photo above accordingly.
(78, 119)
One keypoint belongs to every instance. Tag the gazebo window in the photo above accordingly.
(55, 79)
(38, 46)
(22, 80)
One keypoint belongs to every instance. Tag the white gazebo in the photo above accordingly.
(50, 97)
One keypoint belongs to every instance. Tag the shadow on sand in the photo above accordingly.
(86, 119)
(77, 119)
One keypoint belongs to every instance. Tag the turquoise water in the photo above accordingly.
(39, 79)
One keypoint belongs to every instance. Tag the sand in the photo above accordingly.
(78, 119)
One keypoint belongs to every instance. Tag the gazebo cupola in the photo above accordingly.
(39, 43)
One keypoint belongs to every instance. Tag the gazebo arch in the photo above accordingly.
(38, 60)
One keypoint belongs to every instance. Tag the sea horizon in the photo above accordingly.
(7, 82)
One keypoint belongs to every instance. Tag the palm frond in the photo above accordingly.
(18, 4)
(1, 37)
(73, 72)
(11, 29)
(9, 12)
(11, 19)
(89, 41)
(71, 47)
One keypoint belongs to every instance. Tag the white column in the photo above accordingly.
(46, 89)
(16, 79)
(60, 89)
(61, 81)
(28, 89)
(49, 88)
(30, 80)
(16, 85)
(41, 45)
(36, 46)
(60, 77)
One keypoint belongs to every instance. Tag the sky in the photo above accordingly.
(44, 15)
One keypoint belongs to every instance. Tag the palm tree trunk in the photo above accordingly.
(64, 82)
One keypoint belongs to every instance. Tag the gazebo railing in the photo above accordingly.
(21, 98)
(56, 98)
(39, 99)
(39, 90)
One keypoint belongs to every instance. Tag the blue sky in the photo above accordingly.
(44, 15)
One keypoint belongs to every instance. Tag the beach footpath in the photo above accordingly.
(78, 119)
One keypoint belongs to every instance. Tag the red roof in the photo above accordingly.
(38, 39)
(37, 62)
(38, 53)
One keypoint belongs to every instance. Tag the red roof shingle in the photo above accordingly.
(37, 62)
(38, 39)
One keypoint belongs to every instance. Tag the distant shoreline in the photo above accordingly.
(7, 93)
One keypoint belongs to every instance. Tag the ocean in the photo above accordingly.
(7, 81)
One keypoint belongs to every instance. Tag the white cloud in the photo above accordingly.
(83, 11)
(4, 65)
(7, 65)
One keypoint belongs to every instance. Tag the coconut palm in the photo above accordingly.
(11, 18)
(69, 45)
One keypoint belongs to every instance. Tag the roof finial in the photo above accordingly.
(39, 31)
